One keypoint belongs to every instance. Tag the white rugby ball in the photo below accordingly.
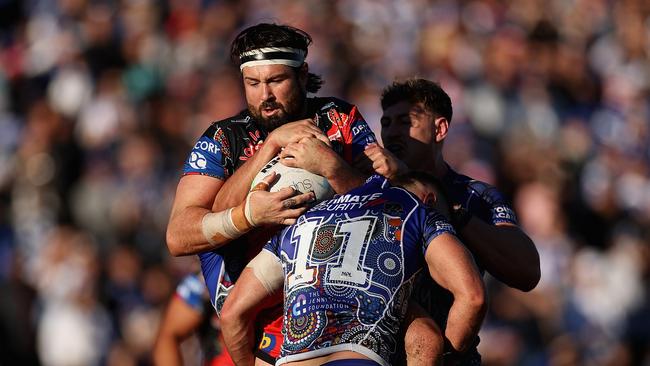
(300, 179)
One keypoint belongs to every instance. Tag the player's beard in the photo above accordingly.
(288, 112)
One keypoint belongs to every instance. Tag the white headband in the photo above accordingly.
(272, 56)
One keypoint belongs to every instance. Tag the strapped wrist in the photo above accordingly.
(221, 227)
(241, 218)
(218, 227)
(246, 208)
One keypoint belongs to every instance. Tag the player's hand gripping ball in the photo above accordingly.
(300, 179)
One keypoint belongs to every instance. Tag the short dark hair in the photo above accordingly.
(274, 35)
(409, 178)
(415, 90)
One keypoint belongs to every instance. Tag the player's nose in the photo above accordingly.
(267, 92)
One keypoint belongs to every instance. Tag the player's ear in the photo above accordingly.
(441, 128)
(430, 199)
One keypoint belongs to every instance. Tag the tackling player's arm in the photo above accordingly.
(197, 190)
(194, 228)
(259, 286)
(179, 322)
(452, 267)
(505, 251)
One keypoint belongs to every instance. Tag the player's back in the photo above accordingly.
(349, 268)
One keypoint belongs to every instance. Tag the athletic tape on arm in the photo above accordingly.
(218, 227)
(268, 269)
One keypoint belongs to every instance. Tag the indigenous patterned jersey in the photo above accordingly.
(486, 203)
(227, 144)
(349, 266)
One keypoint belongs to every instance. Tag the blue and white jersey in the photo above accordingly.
(349, 266)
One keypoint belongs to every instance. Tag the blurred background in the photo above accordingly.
(101, 101)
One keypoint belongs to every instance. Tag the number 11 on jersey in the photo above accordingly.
(348, 269)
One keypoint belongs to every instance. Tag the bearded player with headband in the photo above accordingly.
(214, 215)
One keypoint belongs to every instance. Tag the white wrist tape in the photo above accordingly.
(218, 227)
(268, 270)
(247, 210)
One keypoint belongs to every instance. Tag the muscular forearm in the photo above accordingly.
(465, 318)
(236, 187)
(238, 334)
(343, 178)
(213, 230)
(184, 232)
(505, 252)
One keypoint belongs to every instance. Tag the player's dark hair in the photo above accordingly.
(416, 90)
(409, 178)
(274, 35)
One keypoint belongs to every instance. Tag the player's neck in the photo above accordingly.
(440, 167)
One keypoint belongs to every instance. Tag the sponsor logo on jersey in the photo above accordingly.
(197, 160)
(241, 120)
(268, 342)
(442, 225)
(501, 213)
(360, 128)
(207, 146)
(255, 143)
(300, 307)
(347, 202)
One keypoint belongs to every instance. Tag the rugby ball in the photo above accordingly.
(300, 179)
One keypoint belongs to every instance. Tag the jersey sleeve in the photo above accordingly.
(434, 224)
(208, 156)
(489, 204)
(192, 291)
(360, 133)
(349, 127)
(273, 245)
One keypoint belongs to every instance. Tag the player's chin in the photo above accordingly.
(397, 150)
(274, 121)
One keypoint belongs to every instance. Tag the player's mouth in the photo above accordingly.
(270, 111)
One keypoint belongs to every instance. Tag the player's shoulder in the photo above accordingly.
(402, 196)
(325, 104)
(230, 128)
(463, 182)
(242, 118)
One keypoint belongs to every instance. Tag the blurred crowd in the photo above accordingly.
(101, 100)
